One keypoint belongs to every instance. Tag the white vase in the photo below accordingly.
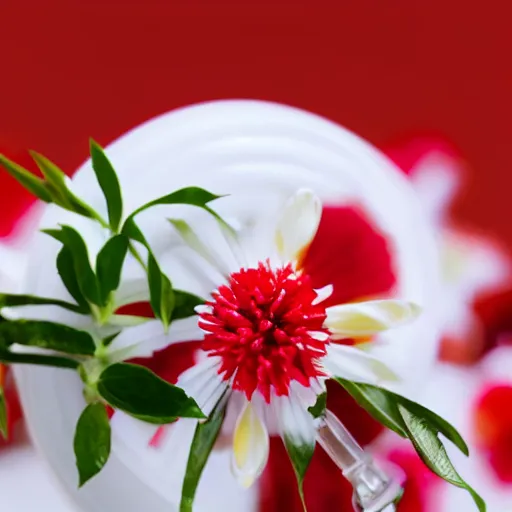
(260, 153)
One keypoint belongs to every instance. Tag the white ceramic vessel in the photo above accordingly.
(260, 153)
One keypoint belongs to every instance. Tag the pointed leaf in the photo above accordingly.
(66, 270)
(300, 457)
(132, 231)
(92, 441)
(109, 265)
(161, 294)
(185, 304)
(46, 335)
(57, 187)
(433, 453)
(193, 196)
(38, 359)
(382, 405)
(139, 392)
(378, 402)
(109, 184)
(435, 422)
(28, 180)
(86, 278)
(12, 300)
(318, 409)
(202, 444)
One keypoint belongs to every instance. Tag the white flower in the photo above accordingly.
(270, 343)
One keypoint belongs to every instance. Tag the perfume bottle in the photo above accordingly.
(374, 490)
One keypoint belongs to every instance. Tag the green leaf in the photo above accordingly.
(378, 402)
(382, 405)
(92, 442)
(109, 265)
(56, 185)
(318, 409)
(132, 231)
(28, 180)
(46, 335)
(139, 392)
(161, 294)
(194, 196)
(435, 422)
(38, 359)
(300, 456)
(107, 178)
(433, 453)
(4, 431)
(66, 270)
(202, 444)
(12, 300)
(86, 278)
(185, 304)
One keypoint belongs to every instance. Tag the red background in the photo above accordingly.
(386, 70)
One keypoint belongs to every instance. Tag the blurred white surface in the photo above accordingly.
(27, 483)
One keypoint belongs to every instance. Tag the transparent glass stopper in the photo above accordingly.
(374, 491)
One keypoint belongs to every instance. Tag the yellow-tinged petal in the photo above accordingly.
(298, 225)
(368, 318)
(250, 447)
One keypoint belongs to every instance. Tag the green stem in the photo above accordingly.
(56, 361)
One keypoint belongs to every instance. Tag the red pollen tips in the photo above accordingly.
(265, 328)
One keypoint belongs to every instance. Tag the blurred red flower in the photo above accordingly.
(493, 429)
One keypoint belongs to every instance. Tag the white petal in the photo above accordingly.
(203, 383)
(298, 225)
(323, 293)
(145, 339)
(368, 318)
(294, 420)
(194, 242)
(250, 447)
(354, 364)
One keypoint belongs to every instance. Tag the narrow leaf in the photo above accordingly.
(382, 405)
(185, 304)
(318, 409)
(202, 444)
(139, 392)
(379, 403)
(12, 300)
(87, 280)
(300, 457)
(435, 422)
(109, 265)
(161, 294)
(194, 196)
(132, 231)
(46, 335)
(433, 453)
(92, 442)
(57, 187)
(28, 180)
(66, 270)
(38, 359)
(109, 184)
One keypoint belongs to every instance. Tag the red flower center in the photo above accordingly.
(262, 325)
